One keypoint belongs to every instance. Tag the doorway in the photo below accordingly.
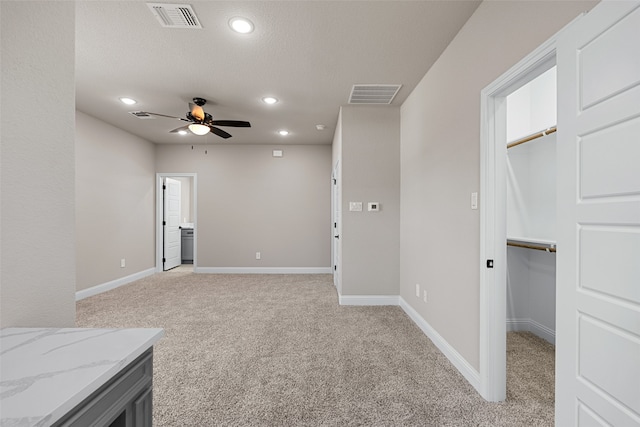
(493, 216)
(186, 222)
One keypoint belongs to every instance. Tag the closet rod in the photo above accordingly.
(532, 137)
(528, 246)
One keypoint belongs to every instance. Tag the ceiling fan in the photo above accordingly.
(200, 122)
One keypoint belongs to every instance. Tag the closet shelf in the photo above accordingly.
(532, 243)
(532, 137)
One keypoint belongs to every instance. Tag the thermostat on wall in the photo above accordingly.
(374, 206)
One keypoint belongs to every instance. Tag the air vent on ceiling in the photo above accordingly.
(175, 15)
(373, 94)
(142, 115)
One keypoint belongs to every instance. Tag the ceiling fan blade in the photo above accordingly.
(181, 128)
(164, 115)
(220, 132)
(196, 111)
(233, 123)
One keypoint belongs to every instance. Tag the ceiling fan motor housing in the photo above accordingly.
(199, 101)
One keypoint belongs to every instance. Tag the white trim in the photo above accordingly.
(98, 289)
(467, 371)
(263, 270)
(368, 299)
(159, 207)
(530, 325)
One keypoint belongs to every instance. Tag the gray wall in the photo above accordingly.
(37, 176)
(249, 201)
(115, 199)
(370, 171)
(440, 130)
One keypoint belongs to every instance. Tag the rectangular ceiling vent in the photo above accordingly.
(373, 94)
(142, 115)
(175, 15)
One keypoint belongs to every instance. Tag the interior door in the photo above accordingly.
(172, 248)
(335, 229)
(598, 258)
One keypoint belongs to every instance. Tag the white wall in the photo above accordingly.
(37, 175)
(440, 133)
(370, 171)
(115, 196)
(248, 202)
(531, 207)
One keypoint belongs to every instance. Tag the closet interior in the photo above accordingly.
(531, 207)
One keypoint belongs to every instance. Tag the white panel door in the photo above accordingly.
(598, 224)
(335, 229)
(172, 255)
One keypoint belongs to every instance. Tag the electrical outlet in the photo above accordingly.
(258, 255)
(122, 263)
(417, 290)
(424, 295)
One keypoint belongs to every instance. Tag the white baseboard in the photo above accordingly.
(368, 299)
(263, 270)
(467, 371)
(98, 289)
(530, 325)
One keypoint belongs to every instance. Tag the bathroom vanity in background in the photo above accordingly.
(76, 377)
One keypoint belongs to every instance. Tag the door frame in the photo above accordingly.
(159, 212)
(493, 229)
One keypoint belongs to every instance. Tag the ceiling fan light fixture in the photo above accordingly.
(199, 129)
(241, 25)
(283, 132)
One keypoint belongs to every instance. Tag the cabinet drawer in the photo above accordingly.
(110, 400)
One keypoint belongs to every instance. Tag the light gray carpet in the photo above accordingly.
(278, 350)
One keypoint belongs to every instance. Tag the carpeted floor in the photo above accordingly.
(278, 350)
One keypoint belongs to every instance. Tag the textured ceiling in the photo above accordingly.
(308, 54)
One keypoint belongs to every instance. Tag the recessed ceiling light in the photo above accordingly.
(128, 101)
(283, 132)
(269, 100)
(321, 127)
(241, 25)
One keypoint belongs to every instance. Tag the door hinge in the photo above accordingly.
(164, 222)
(489, 263)
(335, 225)
(164, 187)
(335, 268)
(164, 260)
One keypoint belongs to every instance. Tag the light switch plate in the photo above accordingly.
(474, 200)
(374, 206)
(355, 206)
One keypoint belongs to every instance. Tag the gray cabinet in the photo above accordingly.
(124, 401)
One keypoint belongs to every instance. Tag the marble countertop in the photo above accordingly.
(45, 373)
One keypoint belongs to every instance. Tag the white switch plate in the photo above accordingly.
(417, 290)
(258, 255)
(355, 206)
(425, 296)
(122, 263)
(277, 153)
(474, 200)
(374, 206)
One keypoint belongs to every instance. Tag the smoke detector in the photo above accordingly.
(175, 15)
